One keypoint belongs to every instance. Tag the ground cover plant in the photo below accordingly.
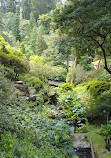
(72, 109)
(24, 124)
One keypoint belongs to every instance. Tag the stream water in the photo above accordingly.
(80, 152)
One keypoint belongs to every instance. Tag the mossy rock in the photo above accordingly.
(96, 88)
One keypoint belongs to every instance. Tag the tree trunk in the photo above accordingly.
(105, 60)
(67, 63)
(75, 62)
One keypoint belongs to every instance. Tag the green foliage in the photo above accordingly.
(45, 21)
(66, 86)
(8, 20)
(58, 73)
(15, 29)
(1, 21)
(26, 9)
(12, 61)
(30, 39)
(12, 58)
(5, 87)
(105, 130)
(8, 72)
(12, 146)
(86, 62)
(22, 48)
(97, 140)
(104, 76)
(97, 103)
(36, 83)
(24, 28)
(41, 69)
(30, 129)
(41, 7)
(76, 75)
(100, 107)
(96, 88)
(6, 48)
(91, 32)
(11, 6)
(72, 109)
(52, 54)
(107, 156)
(40, 44)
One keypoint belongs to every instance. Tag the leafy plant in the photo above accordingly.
(95, 88)
(105, 130)
(67, 86)
(36, 83)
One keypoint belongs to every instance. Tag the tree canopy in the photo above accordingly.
(88, 21)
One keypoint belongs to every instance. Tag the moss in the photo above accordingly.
(98, 141)
(96, 88)
(67, 86)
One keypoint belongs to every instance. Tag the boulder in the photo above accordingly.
(80, 141)
(23, 88)
(32, 98)
(53, 97)
(55, 83)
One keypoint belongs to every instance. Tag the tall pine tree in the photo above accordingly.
(11, 6)
(40, 44)
(16, 24)
(26, 9)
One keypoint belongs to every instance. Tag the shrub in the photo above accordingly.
(76, 75)
(67, 86)
(12, 59)
(40, 68)
(104, 76)
(100, 107)
(58, 73)
(8, 72)
(36, 83)
(96, 88)
(14, 62)
(105, 130)
(5, 87)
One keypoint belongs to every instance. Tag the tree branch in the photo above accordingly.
(104, 53)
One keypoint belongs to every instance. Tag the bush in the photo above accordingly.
(58, 73)
(5, 87)
(8, 72)
(76, 75)
(104, 76)
(96, 88)
(67, 86)
(14, 62)
(40, 68)
(36, 83)
(100, 107)
(12, 59)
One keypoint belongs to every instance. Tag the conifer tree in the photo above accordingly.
(40, 44)
(26, 9)
(16, 24)
(11, 6)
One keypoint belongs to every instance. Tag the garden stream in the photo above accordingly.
(82, 148)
